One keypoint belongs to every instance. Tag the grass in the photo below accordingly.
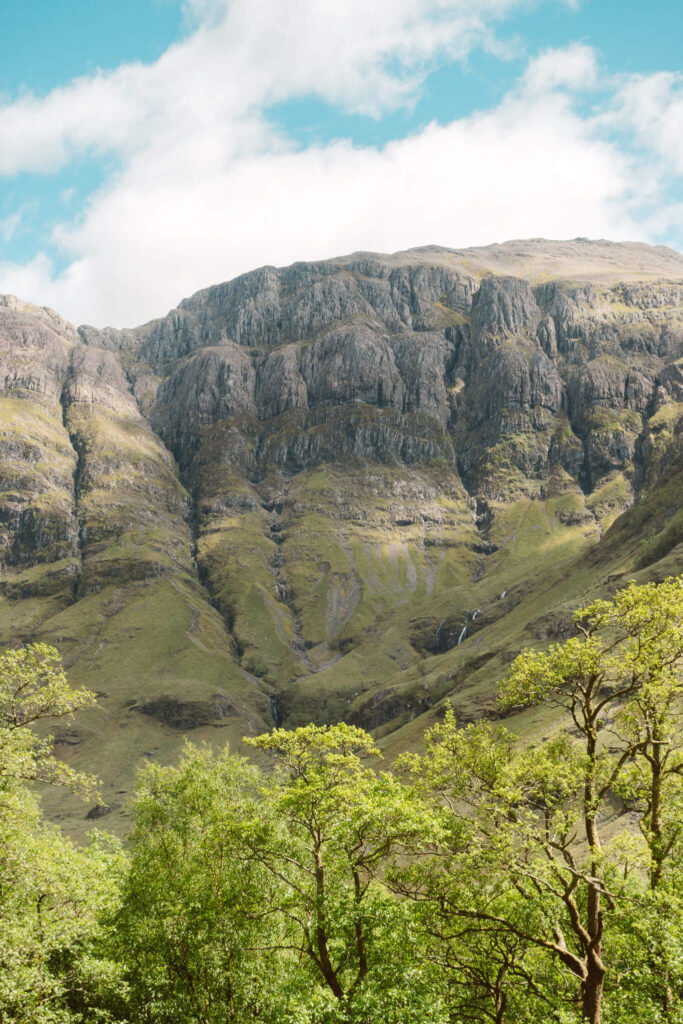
(134, 643)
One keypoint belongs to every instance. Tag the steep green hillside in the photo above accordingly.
(345, 490)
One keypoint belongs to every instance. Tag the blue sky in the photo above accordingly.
(149, 147)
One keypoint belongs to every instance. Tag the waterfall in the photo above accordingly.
(276, 710)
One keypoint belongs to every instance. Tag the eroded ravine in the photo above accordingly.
(276, 528)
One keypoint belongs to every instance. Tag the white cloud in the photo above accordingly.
(529, 167)
(29, 280)
(9, 225)
(15, 222)
(204, 188)
(650, 107)
(575, 68)
(243, 55)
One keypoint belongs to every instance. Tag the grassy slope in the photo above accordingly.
(644, 542)
(128, 614)
(36, 483)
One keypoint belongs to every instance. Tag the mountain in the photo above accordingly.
(348, 490)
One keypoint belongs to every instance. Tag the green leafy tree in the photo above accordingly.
(647, 728)
(621, 678)
(256, 897)
(33, 688)
(480, 920)
(52, 894)
(343, 824)
(196, 924)
(482, 884)
(531, 819)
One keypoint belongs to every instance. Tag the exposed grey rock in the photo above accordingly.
(301, 441)
(214, 384)
(504, 306)
(100, 811)
(30, 535)
(39, 315)
(33, 355)
(109, 338)
(352, 364)
(547, 336)
(95, 377)
(425, 363)
(290, 367)
(279, 384)
(671, 380)
(649, 296)
(606, 384)
(166, 340)
(191, 714)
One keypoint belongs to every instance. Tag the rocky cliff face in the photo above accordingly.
(342, 489)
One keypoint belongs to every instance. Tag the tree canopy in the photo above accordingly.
(479, 879)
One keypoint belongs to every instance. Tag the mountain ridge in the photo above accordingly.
(503, 254)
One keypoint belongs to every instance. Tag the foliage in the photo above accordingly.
(343, 822)
(53, 896)
(194, 924)
(533, 817)
(254, 898)
(481, 880)
(33, 688)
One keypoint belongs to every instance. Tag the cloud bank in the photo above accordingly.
(202, 186)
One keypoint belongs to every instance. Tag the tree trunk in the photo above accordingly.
(591, 990)
(327, 970)
(360, 934)
(659, 962)
(594, 981)
(593, 984)
(656, 815)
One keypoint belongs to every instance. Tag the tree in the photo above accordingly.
(255, 897)
(533, 816)
(480, 922)
(626, 665)
(33, 688)
(647, 728)
(52, 894)
(197, 914)
(343, 824)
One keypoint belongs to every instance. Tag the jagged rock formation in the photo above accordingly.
(342, 489)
